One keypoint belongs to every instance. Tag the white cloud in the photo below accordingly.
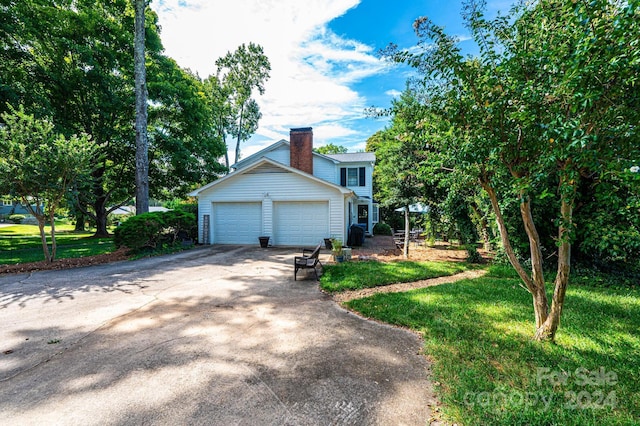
(393, 93)
(311, 67)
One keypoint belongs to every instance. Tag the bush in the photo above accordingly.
(382, 229)
(185, 206)
(17, 218)
(156, 229)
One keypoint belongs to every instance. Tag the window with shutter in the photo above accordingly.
(353, 176)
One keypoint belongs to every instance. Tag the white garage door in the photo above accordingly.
(300, 223)
(237, 223)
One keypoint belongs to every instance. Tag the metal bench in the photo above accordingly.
(306, 262)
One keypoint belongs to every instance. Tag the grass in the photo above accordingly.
(358, 275)
(487, 369)
(22, 244)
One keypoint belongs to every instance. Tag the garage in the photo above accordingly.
(237, 223)
(301, 223)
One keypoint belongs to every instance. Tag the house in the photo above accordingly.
(295, 196)
(9, 206)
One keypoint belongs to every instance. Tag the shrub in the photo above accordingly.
(185, 206)
(154, 230)
(17, 218)
(382, 229)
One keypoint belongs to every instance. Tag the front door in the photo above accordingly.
(363, 216)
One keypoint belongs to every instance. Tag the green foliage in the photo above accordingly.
(489, 371)
(336, 246)
(155, 229)
(331, 149)
(185, 206)
(73, 62)
(16, 218)
(358, 275)
(550, 100)
(382, 229)
(40, 166)
(238, 75)
(610, 237)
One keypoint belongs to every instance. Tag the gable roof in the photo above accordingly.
(351, 157)
(259, 154)
(267, 161)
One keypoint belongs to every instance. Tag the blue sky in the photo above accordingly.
(323, 53)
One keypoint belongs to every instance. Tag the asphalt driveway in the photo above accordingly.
(217, 335)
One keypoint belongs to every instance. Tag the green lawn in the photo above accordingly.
(21, 244)
(487, 369)
(358, 275)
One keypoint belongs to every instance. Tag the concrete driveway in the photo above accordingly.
(217, 335)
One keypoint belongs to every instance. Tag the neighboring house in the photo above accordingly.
(9, 206)
(289, 193)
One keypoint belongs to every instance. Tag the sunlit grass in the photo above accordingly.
(358, 275)
(22, 243)
(489, 371)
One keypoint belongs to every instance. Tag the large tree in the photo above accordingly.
(142, 145)
(39, 166)
(74, 61)
(238, 75)
(551, 98)
(331, 148)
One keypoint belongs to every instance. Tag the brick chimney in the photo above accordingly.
(301, 149)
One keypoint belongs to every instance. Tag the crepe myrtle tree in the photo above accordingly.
(40, 166)
(553, 95)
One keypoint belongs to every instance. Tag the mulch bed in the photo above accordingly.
(21, 268)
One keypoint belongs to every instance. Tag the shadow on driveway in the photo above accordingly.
(218, 335)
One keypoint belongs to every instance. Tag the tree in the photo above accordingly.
(331, 149)
(40, 166)
(400, 149)
(551, 98)
(238, 75)
(142, 146)
(74, 62)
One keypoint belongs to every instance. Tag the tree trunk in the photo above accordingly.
(504, 237)
(239, 133)
(142, 147)
(540, 301)
(54, 246)
(486, 238)
(40, 217)
(101, 217)
(407, 232)
(547, 330)
(534, 284)
(43, 239)
(80, 220)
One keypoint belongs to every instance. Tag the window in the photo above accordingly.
(375, 213)
(353, 176)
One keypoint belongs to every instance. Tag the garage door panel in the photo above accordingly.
(237, 223)
(300, 223)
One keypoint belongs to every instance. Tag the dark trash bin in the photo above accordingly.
(356, 236)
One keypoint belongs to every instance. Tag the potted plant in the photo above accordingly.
(327, 243)
(336, 250)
